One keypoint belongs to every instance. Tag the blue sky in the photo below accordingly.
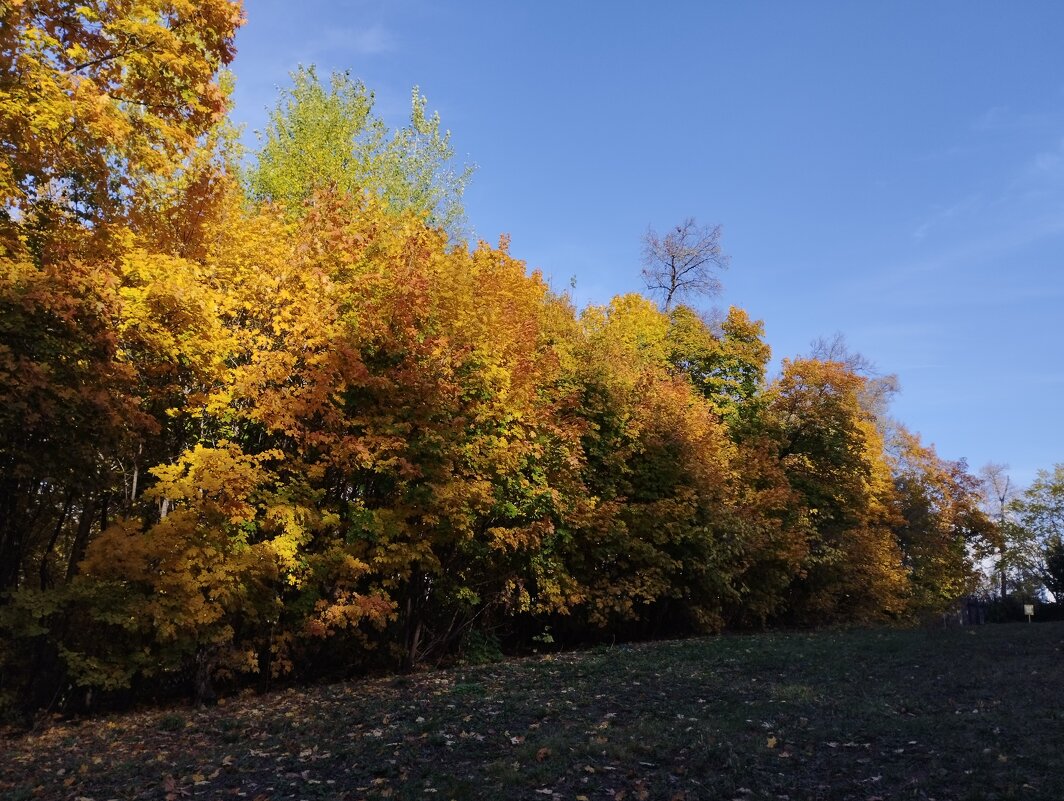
(891, 171)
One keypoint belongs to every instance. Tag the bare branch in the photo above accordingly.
(835, 349)
(684, 261)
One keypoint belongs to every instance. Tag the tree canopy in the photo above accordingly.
(286, 422)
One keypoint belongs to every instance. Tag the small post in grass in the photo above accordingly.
(1028, 609)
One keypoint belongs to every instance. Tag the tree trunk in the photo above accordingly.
(1004, 575)
(11, 535)
(204, 689)
(413, 618)
(81, 538)
(45, 579)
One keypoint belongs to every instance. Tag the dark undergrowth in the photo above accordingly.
(972, 713)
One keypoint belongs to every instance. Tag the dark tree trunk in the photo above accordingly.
(413, 618)
(45, 578)
(81, 538)
(204, 686)
(11, 533)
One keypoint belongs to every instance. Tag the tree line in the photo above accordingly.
(268, 415)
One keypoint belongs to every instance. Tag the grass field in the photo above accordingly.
(958, 714)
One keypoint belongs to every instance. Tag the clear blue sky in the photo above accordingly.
(893, 171)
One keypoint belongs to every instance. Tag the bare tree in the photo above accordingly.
(998, 494)
(879, 388)
(836, 349)
(683, 262)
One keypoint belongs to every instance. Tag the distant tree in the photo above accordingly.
(998, 493)
(1041, 507)
(1053, 571)
(1041, 514)
(683, 262)
(940, 514)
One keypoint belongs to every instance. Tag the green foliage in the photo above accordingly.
(321, 137)
(727, 367)
(481, 648)
(1041, 520)
(1053, 573)
(1041, 509)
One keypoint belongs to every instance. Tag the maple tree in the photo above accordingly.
(727, 366)
(654, 470)
(96, 97)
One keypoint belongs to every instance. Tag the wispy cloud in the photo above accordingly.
(1050, 162)
(1005, 118)
(940, 214)
(894, 282)
(374, 40)
(371, 41)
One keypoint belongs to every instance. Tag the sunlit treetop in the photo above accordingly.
(323, 136)
(94, 96)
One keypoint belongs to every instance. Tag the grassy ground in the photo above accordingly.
(959, 714)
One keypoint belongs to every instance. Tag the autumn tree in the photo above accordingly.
(877, 389)
(95, 102)
(683, 262)
(288, 422)
(654, 547)
(941, 519)
(834, 458)
(97, 97)
(725, 362)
